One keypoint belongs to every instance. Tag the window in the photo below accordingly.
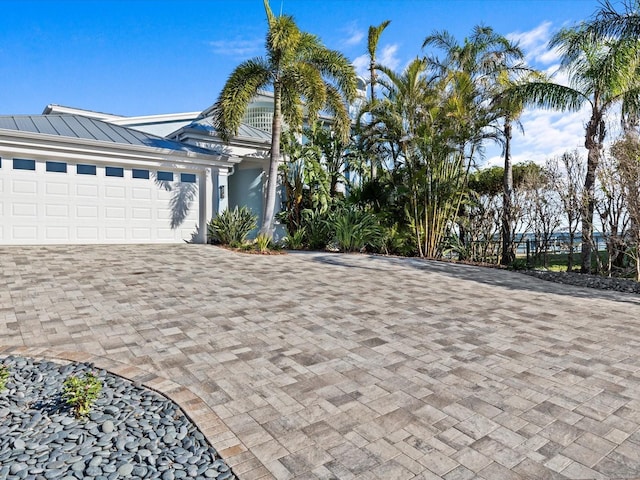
(165, 176)
(86, 169)
(21, 164)
(136, 173)
(188, 177)
(114, 171)
(60, 167)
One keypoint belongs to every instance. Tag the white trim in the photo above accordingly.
(40, 145)
(161, 118)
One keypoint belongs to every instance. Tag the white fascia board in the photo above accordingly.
(165, 117)
(208, 136)
(54, 109)
(41, 146)
(233, 149)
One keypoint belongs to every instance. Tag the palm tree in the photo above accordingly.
(305, 76)
(372, 48)
(488, 63)
(602, 73)
(511, 108)
(609, 22)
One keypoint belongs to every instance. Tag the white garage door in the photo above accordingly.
(45, 202)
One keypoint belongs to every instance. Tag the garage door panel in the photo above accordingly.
(87, 211)
(53, 210)
(141, 193)
(117, 213)
(39, 207)
(114, 192)
(87, 233)
(56, 234)
(141, 213)
(140, 233)
(89, 191)
(27, 210)
(57, 188)
(24, 233)
(24, 186)
(115, 233)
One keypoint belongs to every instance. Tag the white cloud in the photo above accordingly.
(387, 56)
(547, 133)
(354, 35)
(361, 64)
(535, 44)
(238, 48)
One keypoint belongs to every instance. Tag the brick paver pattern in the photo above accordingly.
(348, 367)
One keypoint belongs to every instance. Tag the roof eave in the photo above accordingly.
(53, 145)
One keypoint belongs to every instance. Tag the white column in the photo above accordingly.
(222, 190)
(204, 204)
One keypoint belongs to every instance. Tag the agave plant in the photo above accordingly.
(231, 227)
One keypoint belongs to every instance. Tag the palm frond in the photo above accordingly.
(548, 95)
(374, 37)
(241, 86)
(335, 105)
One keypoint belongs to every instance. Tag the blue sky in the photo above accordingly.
(142, 57)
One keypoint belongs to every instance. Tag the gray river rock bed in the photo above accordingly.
(131, 432)
(592, 281)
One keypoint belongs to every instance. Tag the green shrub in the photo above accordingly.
(297, 240)
(231, 227)
(397, 242)
(317, 227)
(80, 393)
(354, 229)
(4, 377)
(263, 242)
(519, 264)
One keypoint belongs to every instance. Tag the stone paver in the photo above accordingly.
(312, 365)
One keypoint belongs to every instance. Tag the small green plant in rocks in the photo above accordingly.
(4, 377)
(80, 393)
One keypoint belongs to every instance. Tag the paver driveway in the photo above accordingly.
(345, 366)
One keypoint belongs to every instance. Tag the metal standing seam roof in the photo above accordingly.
(244, 131)
(78, 126)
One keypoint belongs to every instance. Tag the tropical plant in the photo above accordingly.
(354, 229)
(603, 72)
(317, 227)
(296, 240)
(81, 393)
(305, 77)
(613, 23)
(263, 243)
(372, 48)
(486, 65)
(232, 227)
(305, 182)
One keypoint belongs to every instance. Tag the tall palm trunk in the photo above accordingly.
(594, 137)
(508, 255)
(274, 161)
